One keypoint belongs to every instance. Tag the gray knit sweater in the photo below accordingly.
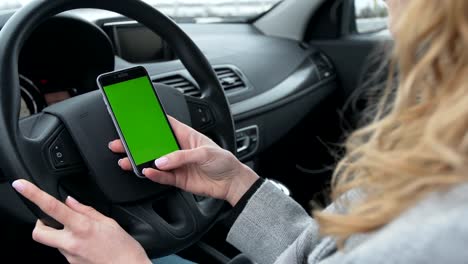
(273, 228)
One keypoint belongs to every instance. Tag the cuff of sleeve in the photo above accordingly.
(237, 210)
(268, 224)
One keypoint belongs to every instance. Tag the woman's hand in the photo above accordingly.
(87, 236)
(201, 167)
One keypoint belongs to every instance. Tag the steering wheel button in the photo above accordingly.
(62, 153)
(201, 115)
(58, 153)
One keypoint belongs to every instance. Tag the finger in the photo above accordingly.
(84, 209)
(180, 129)
(181, 158)
(161, 177)
(47, 235)
(176, 124)
(45, 201)
(117, 146)
(125, 164)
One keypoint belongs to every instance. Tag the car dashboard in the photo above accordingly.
(271, 83)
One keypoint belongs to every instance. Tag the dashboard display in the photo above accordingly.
(149, 47)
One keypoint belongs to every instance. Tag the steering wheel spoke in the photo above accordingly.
(201, 115)
(49, 145)
(49, 153)
(176, 214)
(207, 118)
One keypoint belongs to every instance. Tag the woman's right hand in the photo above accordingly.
(201, 167)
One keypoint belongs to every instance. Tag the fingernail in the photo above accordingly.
(72, 200)
(18, 185)
(161, 162)
(144, 171)
(109, 145)
(119, 162)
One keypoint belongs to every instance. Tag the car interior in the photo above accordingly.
(278, 89)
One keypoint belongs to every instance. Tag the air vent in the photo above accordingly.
(230, 80)
(323, 65)
(180, 83)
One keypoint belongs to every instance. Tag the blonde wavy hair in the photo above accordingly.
(419, 144)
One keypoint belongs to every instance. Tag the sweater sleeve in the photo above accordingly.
(237, 210)
(270, 223)
(273, 228)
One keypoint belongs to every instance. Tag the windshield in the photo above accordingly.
(194, 10)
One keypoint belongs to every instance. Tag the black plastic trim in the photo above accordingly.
(303, 81)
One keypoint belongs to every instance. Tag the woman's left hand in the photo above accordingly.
(87, 237)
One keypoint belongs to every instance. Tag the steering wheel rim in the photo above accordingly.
(19, 154)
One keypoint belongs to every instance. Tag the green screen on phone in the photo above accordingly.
(141, 119)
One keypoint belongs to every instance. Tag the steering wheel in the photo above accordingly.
(67, 142)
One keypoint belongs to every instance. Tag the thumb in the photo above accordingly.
(83, 209)
(181, 158)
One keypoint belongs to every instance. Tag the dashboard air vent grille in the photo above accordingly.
(230, 80)
(180, 83)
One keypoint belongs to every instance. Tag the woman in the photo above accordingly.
(401, 191)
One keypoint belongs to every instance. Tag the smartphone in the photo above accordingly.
(138, 116)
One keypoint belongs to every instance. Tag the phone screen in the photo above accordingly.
(141, 119)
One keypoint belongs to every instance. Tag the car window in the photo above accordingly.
(195, 10)
(371, 16)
